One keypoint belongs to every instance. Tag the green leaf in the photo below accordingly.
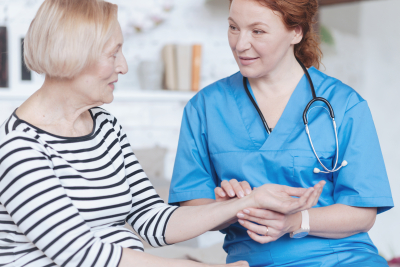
(326, 36)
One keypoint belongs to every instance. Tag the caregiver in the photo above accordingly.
(249, 126)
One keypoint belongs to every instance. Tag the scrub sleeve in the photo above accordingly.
(363, 182)
(194, 175)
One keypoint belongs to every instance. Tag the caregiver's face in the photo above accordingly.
(258, 38)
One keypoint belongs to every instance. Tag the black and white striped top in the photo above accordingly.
(64, 201)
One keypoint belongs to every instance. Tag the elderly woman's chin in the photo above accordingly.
(108, 96)
(98, 95)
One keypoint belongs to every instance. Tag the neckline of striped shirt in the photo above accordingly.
(41, 131)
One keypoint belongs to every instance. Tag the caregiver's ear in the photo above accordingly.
(297, 34)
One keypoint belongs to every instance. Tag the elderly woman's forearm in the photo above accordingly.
(189, 222)
(205, 201)
(340, 221)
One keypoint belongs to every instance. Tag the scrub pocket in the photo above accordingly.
(303, 170)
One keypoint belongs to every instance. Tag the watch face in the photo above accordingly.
(300, 235)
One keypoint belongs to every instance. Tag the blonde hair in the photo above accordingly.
(66, 36)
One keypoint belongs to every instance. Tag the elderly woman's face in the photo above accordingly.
(99, 79)
(258, 38)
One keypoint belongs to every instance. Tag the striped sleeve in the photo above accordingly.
(149, 214)
(39, 206)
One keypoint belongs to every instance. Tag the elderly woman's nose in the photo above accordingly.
(122, 66)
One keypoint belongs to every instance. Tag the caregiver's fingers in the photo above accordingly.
(219, 192)
(302, 201)
(258, 221)
(313, 199)
(297, 204)
(260, 239)
(237, 188)
(233, 187)
(246, 187)
(227, 187)
(260, 213)
(256, 228)
(318, 190)
(294, 191)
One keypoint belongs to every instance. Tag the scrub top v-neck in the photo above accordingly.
(222, 137)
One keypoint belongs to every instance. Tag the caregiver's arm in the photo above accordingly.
(339, 221)
(335, 221)
(189, 222)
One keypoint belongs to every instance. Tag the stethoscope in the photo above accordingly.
(305, 120)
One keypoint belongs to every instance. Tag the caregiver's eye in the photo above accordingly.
(258, 31)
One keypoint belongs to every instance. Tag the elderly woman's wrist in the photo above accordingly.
(249, 201)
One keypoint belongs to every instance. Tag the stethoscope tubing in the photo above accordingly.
(305, 120)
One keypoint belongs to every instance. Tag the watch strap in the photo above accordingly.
(305, 226)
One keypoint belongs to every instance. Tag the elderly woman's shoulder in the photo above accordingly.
(101, 115)
(18, 140)
(12, 130)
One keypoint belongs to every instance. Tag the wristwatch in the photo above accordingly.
(305, 226)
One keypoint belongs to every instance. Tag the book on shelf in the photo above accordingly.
(196, 67)
(182, 66)
(168, 55)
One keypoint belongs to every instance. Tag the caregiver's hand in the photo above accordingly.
(232, 188)
(272, 196)
(279, 197)
(265, 226)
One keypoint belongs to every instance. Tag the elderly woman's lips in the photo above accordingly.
(112, 84)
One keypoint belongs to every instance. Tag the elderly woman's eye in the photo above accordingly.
(232, 27)
(258, 32)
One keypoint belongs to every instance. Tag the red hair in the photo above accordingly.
(300, 13)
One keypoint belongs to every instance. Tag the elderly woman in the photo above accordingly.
(68, 177)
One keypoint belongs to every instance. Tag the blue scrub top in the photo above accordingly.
(222, 137)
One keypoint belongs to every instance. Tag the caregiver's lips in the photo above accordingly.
(245, 61)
